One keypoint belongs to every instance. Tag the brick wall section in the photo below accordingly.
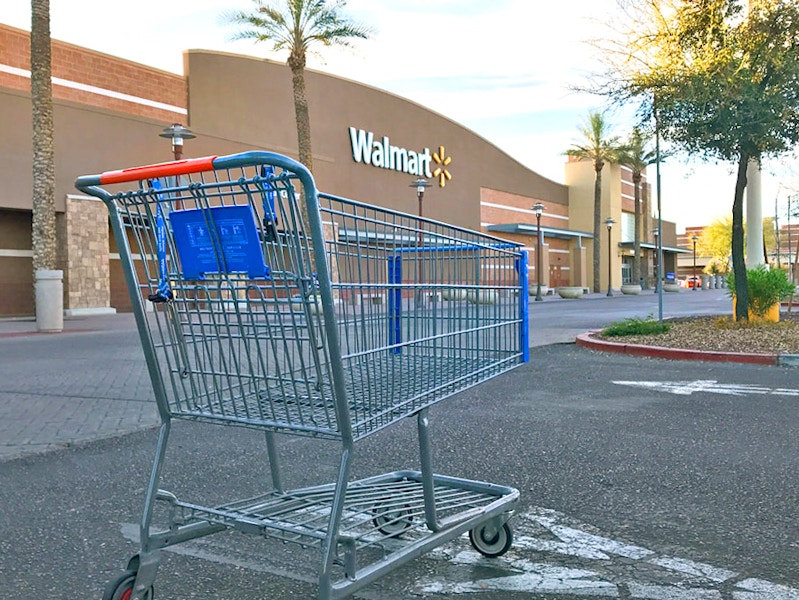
(80, 65)
(87, 263)
(556, 250)
(494, 215)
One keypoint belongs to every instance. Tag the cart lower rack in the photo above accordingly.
(265, 304)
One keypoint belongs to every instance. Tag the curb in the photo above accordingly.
(586, 340)
(16, 334)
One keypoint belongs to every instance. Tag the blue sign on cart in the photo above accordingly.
(221, 239)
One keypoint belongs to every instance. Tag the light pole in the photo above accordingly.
(177, 133)
(420, 184)
(656, 233)
(538, 209)
(694, 240)
(659, 239)
(790, 253)
(609, 222)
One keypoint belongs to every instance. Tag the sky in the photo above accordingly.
(506, 69)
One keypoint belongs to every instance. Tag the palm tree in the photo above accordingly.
(44, 224)
(296, 26)
(599, 148)
(638, 157)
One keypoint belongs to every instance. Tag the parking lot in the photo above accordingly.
(639, 478)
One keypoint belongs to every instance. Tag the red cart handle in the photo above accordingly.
(179, 167)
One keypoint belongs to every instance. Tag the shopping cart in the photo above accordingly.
(262, 303)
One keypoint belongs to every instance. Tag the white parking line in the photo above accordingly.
(552, 554)
(663, 592)
(686, 388)
(545, 541)
(690, 567)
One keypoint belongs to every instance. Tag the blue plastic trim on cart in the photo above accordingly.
(163, 293)
(220, 239)
(268, 194)
(456, 248)
(524, 305)
(395, 304)
(395, 294)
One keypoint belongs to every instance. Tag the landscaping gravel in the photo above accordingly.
(721, 334)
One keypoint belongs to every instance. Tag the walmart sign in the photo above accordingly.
(380, 153)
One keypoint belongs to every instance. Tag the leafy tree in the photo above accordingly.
(721, 78)
(638, 156)
(769, 236)
(716, 242)
(600, 148)
(298, 26)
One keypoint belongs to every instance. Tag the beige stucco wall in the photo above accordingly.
(580, 178)
(250, 99)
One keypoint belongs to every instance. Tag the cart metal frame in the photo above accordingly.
(262, 303)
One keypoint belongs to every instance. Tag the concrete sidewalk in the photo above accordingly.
(90, 381)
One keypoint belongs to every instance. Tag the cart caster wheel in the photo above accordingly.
(121, 588)
(491, 542)
(391, 521)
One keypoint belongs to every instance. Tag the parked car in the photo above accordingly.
(693, 281)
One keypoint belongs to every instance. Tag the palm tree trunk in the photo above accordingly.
(44, 223)
(597, 225)
(738, 262)
(302, 116)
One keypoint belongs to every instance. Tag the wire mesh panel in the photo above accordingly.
(230, 275)
(424, 309)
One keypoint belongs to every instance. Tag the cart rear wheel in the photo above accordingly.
(392, 520)
(121, 588)
(490, 541)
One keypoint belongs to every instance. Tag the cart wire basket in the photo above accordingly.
(263, 303)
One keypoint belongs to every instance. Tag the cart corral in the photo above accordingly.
(263, 303)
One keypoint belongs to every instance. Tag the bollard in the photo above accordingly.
(49, 300)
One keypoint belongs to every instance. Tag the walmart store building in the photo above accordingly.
(368, 145)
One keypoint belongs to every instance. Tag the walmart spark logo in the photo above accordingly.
(441, 172)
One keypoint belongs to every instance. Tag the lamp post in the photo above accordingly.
(177, 133)
(790, 252)
(694, 240)
(609, 223)
(538, 209)
(420, 184)
(659, 239)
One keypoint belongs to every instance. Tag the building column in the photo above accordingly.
(754, 217)
(87, 275)
(330, 231)
(544, 265)
(578, 274)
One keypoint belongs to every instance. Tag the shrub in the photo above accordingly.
(766, 287)
(635, 326)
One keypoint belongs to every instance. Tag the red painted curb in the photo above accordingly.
(586, 340)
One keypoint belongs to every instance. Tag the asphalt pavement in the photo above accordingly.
(640, 478)
(90, 381)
